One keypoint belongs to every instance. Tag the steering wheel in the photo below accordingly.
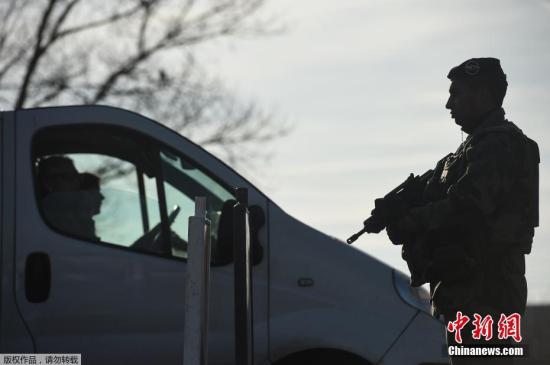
(150, 241)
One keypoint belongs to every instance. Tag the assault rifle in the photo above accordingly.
(394, 204)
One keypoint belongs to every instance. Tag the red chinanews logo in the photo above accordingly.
(508, 327)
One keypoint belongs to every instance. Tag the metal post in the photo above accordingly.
(196, 287)
(244, 337)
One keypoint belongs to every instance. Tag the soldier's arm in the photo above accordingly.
(491, 165)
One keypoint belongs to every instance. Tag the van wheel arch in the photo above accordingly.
(322, 357)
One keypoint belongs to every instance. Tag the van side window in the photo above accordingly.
(112, 186)
(79, 197)
(182, 182)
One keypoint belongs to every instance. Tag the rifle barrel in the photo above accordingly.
(355, 236)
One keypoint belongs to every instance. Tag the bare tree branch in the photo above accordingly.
(12, 61)
(37, 54)
(54, 33)
(12, 52)
(141, 40)
(100, 23)
(138, 54)
(4, 23)
(58, 89)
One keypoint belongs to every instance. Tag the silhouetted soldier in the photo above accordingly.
(479, 209)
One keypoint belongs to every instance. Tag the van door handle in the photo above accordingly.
(37, 277)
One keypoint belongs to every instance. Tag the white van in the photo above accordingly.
(110, 289)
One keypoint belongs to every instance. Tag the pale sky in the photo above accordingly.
(364, 83)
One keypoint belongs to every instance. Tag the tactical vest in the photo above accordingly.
(490, 275)
(511, 226)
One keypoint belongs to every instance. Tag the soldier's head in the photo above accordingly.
(478, 86)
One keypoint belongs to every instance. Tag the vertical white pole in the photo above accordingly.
(196, 287)
(244, 334)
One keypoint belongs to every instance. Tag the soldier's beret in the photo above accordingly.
(477, 68)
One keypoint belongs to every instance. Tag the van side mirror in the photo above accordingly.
(222, 252)
(256, 220)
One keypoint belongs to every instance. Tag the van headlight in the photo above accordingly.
(418, 298)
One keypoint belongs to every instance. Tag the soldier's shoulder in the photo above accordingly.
(502, 140)
(504, 134)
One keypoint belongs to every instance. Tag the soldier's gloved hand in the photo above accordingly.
(402, 231)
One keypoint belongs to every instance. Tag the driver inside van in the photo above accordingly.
(68, 199)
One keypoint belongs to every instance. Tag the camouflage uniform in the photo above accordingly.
(469, 231)
(478, 221)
